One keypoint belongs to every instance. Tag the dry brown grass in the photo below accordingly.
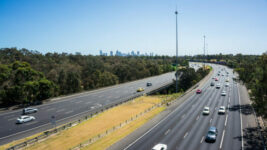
(99, 124)
(112, 138)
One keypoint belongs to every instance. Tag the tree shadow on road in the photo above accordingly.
(252, 139)
(251, 135)
(245, 109)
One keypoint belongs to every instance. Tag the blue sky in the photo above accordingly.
(86, 26)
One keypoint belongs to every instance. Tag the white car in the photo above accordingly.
(223, 93)
(160, 147)
(218, 86)
(221, 110)
(206, 111)
(227, 84)
(29, 110)
(23, 119)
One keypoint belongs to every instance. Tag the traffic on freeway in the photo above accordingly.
(24, 122)
(205, 121)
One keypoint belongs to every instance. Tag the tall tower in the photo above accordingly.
(204, 50)
(176, 74)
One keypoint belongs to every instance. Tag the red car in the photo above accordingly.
(216, 79)
(199, 91)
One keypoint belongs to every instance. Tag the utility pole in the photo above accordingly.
(176, 14)
(204, 51)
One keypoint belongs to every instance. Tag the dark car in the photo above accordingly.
(199, 91)
(148, 84)
(211, 135)
(212, 84)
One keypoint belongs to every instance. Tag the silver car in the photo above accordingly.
(218, 86)
(223, 93)
(29, 110)
(23, 119)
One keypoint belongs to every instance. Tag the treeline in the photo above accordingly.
(29, 76)
(188, 78)
(252, 70)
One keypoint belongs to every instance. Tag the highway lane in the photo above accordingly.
(72, 106)
(186, 127)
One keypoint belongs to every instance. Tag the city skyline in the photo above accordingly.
(87, 26)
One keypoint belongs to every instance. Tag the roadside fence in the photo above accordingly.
(87, 115)
(120, 125)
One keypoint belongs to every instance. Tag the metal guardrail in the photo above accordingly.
(86, 116)
(114, 128)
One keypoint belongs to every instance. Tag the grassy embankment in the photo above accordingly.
(102, 122)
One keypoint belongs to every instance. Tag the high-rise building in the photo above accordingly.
(132, 53)
(138, 53)
(111, 53)
(100, 52)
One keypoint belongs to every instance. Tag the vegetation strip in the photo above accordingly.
(132, 108)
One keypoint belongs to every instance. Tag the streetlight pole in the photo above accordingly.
(204, 50)
(176, 14)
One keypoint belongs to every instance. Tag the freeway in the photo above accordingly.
(72, 107)
(185, 127)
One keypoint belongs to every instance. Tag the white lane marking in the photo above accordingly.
(185, 134)
(226, 120)
(229, 100)
(215, 108)
(197, 117)
(68, 112)
(155, 125)
(202, 139)
(50, 109)
(210, 120)
(242, 146)
(31, 123)
(159, 122)
(167, 132)
(60, 110)
(77, 102)
(222, 139)
(10, 119)
(228, 106)
(10, 116)
(88, 102)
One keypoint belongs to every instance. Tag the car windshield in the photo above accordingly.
(211, 133)
(206, 109)
(221, 108)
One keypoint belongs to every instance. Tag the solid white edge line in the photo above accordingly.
(158, 123)
(242, 142)
(202, 139)
(226, 120)
(222, 139)
(185, 134)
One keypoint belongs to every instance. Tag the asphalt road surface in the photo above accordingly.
(70, 107)
(185, 128)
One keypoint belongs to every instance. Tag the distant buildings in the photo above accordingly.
(118, 53)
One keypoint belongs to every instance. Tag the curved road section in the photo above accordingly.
(186, 127)
(73, 107)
